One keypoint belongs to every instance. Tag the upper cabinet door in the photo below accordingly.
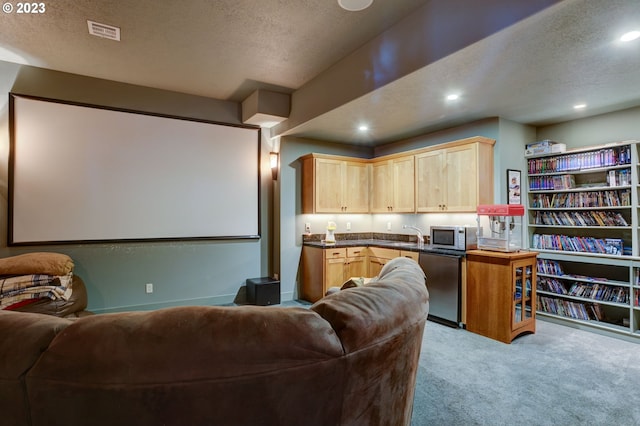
(462, 178)
(393, 186)
(381, 187)
(431, 182)
(404, 185)
(329, 178)
(356, 187)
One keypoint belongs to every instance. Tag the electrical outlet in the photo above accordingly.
(307, 227)
(348, 226)
(148, 288)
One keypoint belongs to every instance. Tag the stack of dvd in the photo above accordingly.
(546, 146)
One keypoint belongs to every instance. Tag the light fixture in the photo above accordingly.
(630, 36)
(363, 127)
(273, 162)
(579, 106)
(354, 5)
(453, 97)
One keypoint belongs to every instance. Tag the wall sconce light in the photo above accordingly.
(273, 162)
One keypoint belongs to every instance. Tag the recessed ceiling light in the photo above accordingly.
(354, 5)
(630, 36)
(453, 97)
(363, 128)
(579, 106)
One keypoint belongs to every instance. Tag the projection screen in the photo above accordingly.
(81, 173)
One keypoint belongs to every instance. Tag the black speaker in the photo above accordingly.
(263, 291)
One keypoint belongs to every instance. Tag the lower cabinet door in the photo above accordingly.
(334, 273)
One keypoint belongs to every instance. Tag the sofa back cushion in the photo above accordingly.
(218, 365)
(375, 311)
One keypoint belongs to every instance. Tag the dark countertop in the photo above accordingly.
(397, 245)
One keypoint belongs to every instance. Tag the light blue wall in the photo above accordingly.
(487, 128)
(290, 208)
(612, 127)
(512, 139)
(202, 272)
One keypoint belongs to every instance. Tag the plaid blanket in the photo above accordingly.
(36, 286)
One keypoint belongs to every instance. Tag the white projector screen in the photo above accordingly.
(81, 173)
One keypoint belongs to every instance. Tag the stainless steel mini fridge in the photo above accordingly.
(443, 282)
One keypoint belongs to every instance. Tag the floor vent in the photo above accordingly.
(103, 30)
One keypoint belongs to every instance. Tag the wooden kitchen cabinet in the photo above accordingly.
(452, 177)
(392, 185)
(334, 264)
(323, 268)
(501, 294)
(332, 184)
(356, 263)
(378, 257)
(456, 177)
(375, 265)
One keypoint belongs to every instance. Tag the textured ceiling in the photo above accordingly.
(222, 49)
(530, 71)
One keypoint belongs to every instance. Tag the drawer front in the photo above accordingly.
(384, 253)
(410, 254)
(334, 253)
(356, 251)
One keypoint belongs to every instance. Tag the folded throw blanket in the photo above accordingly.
(36, 263)
(26, 287)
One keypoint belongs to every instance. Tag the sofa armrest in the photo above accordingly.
(23, 339)
(360, 315)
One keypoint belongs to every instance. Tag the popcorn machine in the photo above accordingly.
(500, 227)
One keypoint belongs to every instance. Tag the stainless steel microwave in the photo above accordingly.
(454, 237)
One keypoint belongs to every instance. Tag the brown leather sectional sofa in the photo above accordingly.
(351, 359)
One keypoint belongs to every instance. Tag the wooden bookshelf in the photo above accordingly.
(583, 219)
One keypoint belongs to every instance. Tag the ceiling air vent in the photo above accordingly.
(104, 30)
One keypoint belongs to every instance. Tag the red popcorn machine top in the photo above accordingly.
(500, 227)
